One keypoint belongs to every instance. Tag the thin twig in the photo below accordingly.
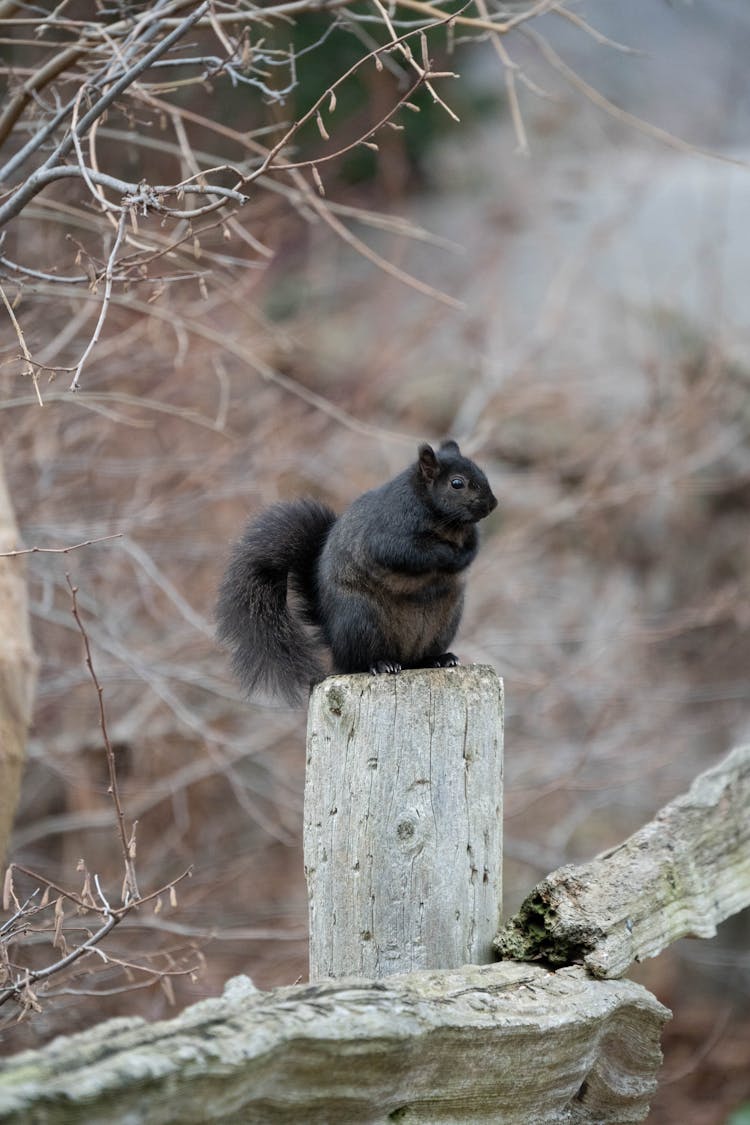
(509, 73)
(325, 97)
(120, 911)
(598, 99)
(362, 139)
(22, 911)
(26, 353)
(597, 36)
(99, 196)
(31, 976)
(130, 886)
(58, 550)
(108, 275)
(405, 50)
(383, 263)
(75, 279)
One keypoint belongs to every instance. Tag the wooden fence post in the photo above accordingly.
(403, 821)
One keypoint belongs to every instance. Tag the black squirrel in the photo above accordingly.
(381, 585)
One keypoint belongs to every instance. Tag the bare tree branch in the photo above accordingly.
(127, 842)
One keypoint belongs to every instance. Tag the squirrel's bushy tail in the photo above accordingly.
(271, 649)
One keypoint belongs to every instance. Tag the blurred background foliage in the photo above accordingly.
(597, 368)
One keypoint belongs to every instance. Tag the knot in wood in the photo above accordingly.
(410, 830)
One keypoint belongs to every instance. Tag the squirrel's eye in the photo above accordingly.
(458, 482)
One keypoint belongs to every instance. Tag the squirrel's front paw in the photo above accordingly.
(384, 666)
(447, 660)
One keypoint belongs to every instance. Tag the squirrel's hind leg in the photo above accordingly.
(355, 637)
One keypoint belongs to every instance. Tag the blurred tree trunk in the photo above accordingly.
(17, 668)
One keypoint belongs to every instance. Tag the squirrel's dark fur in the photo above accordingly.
(381, 585)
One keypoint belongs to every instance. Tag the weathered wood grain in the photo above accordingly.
(680, 875)
(506, 1044)
(403, 821)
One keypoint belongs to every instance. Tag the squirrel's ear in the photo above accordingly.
(428, 462)
(450, 446)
